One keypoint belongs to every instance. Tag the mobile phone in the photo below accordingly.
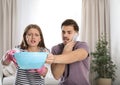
(75, 37)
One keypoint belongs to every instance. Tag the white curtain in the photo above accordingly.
(7, 24)
(95, 21)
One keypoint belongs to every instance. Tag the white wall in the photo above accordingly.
(115, 35)
(48, 14)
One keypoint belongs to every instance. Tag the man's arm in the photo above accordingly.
(57, 70)
(70, 57)
(61, 60)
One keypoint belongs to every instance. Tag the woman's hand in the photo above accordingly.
(9, 57)
(42, 71)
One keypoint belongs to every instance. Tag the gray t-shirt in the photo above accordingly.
(76, 73)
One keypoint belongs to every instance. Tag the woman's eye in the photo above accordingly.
(29, 34)
(37, 35)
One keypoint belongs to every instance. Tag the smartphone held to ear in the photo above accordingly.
(75, 37)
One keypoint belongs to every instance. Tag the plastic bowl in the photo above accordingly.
(30, 60)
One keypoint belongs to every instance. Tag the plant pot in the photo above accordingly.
(104, 81)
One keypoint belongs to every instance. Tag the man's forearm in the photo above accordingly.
(57, 70)
(71, 57)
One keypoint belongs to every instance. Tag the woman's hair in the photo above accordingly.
(24, 44)
(71, 22)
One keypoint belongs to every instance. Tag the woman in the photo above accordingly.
(32, 42)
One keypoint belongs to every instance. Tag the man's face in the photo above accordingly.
(67, 33)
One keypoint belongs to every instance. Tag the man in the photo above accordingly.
(70, 59)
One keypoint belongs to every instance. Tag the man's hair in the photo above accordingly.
(71, 22)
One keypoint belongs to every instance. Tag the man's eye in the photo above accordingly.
(63, 32)
(69, 33)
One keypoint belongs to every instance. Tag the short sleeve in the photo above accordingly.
(81, 45)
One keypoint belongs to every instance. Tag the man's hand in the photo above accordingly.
(50, 59)
(69, 47)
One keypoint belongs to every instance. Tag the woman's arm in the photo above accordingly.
(9, 57)
(6, 60)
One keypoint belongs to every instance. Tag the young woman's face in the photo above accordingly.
(68, 33)
(33, 37)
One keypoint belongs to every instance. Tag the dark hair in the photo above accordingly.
(24, 44)
(72, 23)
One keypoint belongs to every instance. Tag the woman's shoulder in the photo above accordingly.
(18, 47)
(42, 49)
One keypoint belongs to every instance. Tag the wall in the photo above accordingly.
(48, 14)
(115, 34)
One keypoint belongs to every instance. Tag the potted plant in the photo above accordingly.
(102, 63)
